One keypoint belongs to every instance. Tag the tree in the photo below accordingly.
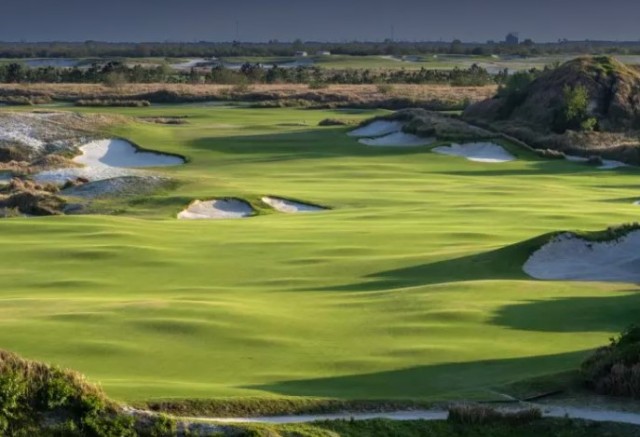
(455, 47)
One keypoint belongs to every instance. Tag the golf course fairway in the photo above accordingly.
(409, 287)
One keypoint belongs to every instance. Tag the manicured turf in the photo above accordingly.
(400, 291)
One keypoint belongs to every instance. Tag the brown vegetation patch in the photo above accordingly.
(31, 198)
(432, 124)
(402, 95)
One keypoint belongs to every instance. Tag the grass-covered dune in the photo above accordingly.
(410, 287)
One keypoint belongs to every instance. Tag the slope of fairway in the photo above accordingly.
(398, 291)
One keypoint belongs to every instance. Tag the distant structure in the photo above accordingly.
(323, 53)
(301, 54)
(512, 39)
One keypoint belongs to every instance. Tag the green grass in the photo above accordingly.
(410, 287)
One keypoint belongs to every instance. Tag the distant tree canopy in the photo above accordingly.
(275, 48)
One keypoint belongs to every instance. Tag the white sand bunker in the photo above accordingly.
(377, 128)
(607, 164)
(569, 257)
(105, 159)
(478, 152)
(290, 206)
(216, 209)
(397, 139)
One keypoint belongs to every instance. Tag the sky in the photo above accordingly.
(316, 20)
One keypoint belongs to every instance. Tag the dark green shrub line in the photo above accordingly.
(113, 103)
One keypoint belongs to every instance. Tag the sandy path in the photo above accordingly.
(548, 411)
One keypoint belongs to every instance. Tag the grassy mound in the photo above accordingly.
(615, 369)
(34, 395)
(39, 399)
(587, 106)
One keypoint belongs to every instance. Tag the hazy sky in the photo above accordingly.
(333, 20)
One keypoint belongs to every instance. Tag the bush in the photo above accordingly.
(615, 369)
(515, 90)
(573, 113)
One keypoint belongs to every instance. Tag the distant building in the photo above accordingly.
(323, 53)
(512, 39)
(301, 54)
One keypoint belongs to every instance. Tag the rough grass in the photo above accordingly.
(249, 407)
(435, 96)
(410, 287)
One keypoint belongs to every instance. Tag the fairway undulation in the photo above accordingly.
(409, 286)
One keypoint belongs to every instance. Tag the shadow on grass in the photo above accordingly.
(501, 264)
(574, 314)
(540, 166)
(439, 381)
(305, 144)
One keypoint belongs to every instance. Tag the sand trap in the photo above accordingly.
(216, 209)
(290, 206)
(568, 257)
(607, 164)
(397, 139)
(377, 128)
(478, 152)
(105, 159)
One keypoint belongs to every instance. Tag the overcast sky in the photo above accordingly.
(327, 20)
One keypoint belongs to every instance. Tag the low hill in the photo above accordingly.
(587, 106)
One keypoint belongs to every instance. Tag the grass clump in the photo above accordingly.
(246, 407)
(481, 415)
(338, 122)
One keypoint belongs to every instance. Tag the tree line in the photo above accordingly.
(114, 73)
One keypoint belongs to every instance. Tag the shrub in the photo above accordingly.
(573, 113)
(615, 369)
(515, 90)
(163, 426)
